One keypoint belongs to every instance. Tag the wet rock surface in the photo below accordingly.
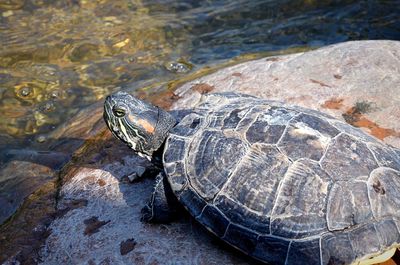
(30, 181)
(97, 216)
(23, 171)
(28, 177)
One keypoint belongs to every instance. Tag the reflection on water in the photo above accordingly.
(59, 56)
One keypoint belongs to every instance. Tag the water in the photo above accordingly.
(57, 57)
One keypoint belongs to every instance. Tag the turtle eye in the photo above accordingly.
(119, 111)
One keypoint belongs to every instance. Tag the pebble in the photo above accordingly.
(25, 91)
(177, 67)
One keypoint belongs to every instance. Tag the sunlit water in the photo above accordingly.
(58, 56)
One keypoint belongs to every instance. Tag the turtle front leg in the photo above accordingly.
(162, 207)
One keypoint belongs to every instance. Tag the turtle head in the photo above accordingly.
(142, 126)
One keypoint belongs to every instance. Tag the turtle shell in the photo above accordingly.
(284, 184)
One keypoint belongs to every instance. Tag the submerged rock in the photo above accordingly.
(29, 182)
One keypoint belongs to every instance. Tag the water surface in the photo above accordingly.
(57, 57)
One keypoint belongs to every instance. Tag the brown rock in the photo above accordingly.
(127, 246)
(93, 225)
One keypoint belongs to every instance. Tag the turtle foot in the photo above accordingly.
(147, 214)
(158, 210)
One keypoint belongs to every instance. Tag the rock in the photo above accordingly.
(29, 183)
(22, 237)
(137, 173)
(19, 179)
(127, 246)
(22, 171)
(178, 67)
(355, 81)
(93, 224)
(103, 229)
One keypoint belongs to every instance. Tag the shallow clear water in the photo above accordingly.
(57, 57)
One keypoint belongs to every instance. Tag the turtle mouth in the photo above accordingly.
(119, 135)
(122, 137)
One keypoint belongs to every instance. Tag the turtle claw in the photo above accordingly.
(147, 214)
(153, 214)
(158, 209)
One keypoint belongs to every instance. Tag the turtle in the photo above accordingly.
(281, 183)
